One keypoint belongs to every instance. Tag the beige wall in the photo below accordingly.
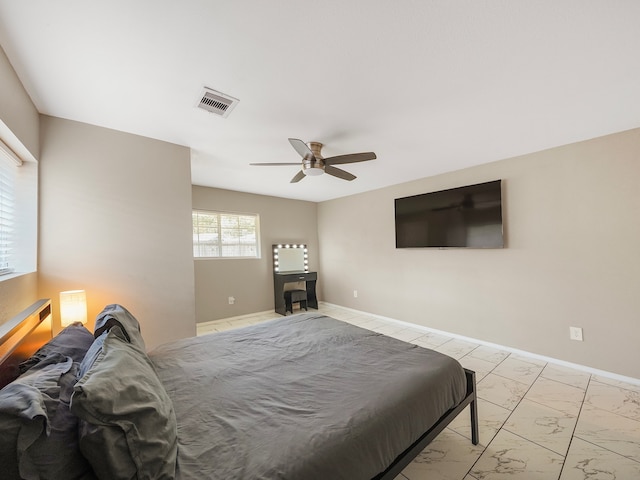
(250, 281)
(19, 126)
(115, 220)
(16, 294)
(572, 222)
(18, 115)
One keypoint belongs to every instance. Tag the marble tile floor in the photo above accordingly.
(538, 420)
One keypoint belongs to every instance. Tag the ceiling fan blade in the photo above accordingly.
(303, 150)
(338, 172)
(299, 176)
(276, 164)
(350, 158)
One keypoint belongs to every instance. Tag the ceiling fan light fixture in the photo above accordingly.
(313, 171)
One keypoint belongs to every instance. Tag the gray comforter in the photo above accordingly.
(304, 397)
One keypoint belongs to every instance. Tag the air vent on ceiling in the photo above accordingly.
(216, 102)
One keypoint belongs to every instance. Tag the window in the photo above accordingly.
(225, 235)
(18, 212)
(8, 169)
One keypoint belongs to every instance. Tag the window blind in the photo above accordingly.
(8, 171)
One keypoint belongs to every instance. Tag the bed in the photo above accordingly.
(301, 397)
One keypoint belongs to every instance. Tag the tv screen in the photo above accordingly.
(467, 217)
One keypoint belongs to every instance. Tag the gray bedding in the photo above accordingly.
(304, 397)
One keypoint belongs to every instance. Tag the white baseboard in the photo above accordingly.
(238, 317)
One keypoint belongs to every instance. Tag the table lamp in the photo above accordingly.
(73, 307)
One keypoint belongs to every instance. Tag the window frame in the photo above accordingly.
(219, 243)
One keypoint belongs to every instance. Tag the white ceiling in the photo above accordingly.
(429, 86)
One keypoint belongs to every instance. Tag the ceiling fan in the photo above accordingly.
(313, 163)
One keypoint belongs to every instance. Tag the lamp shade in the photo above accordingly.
(73, 307)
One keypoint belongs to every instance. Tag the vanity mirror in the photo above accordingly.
(290, 258)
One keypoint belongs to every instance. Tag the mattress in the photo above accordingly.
(302, 397)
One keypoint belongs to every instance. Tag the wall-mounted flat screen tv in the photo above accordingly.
(464, 217)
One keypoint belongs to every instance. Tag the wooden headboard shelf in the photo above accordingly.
(21, 336)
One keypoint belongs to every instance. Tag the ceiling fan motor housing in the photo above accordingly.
(313, 166)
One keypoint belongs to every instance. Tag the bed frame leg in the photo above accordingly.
(473, 405)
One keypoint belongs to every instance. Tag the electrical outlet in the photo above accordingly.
(232, 300)
(575, 333)
(355, 294)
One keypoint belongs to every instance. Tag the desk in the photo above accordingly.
(279, 279)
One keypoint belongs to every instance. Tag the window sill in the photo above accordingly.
(12, 275)
(226, 258)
